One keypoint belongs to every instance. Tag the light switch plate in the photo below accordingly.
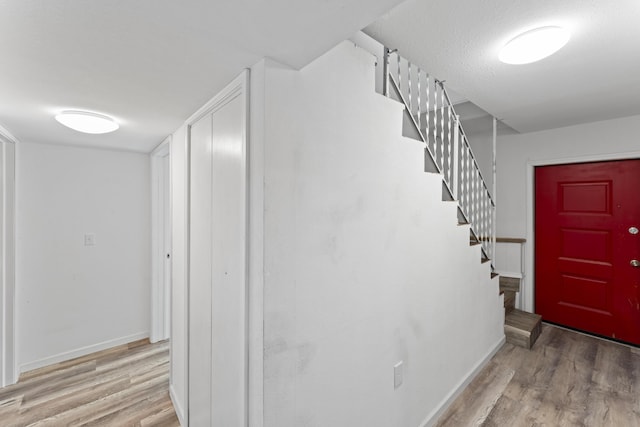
(397, 375)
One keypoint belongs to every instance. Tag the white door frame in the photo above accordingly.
(528, 285)
(160, 242)
(8, 365)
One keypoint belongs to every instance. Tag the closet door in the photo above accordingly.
(217, 257)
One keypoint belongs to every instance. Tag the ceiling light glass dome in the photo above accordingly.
(534, 45)
(84, 121)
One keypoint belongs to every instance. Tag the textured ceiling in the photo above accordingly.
(596, 76)
(150, 63)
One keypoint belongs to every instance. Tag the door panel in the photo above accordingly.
(200, 274)
(218, 351)
(583, 247)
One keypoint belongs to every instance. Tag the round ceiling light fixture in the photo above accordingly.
(534, 45)
(84, 121)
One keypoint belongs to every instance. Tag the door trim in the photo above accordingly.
(160, 295)
(528, 284)
(8, 365)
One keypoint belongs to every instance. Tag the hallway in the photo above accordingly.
(122, 386)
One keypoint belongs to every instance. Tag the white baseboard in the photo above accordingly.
(83, 351)
(433, 417)
(177, 406)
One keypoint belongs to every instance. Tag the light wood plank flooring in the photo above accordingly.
(123, 386)
(566, 379)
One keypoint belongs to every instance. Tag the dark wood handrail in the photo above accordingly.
(511, 240)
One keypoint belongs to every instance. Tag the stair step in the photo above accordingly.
(509, 284)
(522, 328)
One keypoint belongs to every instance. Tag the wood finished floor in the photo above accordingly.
(123, 386)
(566, 379)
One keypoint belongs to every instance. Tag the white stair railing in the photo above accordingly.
(447, 147)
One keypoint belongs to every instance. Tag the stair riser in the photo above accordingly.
(509, 284)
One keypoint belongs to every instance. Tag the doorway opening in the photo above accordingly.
(587, 273)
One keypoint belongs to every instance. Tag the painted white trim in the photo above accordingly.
(8, 368)
(528, 284)
(177, 406)
(255, 262)
(82, 351)
(239, 87)
(434, 416)
(158, 274)
(6, 136)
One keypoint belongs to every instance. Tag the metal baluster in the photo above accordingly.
(461, 195)
(480, 211)
(435, 117)
(385, 72)
(481, 217)
(441, 144)
(455, 172)
(409, 84)
(473, 195)
(463, 178)
(428, 83)
(399, 74)
(483, 204)
(419, 109)
(470, 185)
(485, 220)
(449, 140)
(477, 194)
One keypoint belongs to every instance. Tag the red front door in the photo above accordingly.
(585, 247)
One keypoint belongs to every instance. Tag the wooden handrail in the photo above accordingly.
(511, 240)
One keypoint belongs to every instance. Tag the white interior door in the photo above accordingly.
(161, 242)
(166, 244)
(217, 263)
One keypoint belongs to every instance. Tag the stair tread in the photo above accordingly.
(522, 320)
(522, 328)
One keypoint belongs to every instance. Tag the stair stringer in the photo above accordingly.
(365, 265)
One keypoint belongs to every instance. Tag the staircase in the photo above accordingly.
(520, 327)
(430, 117)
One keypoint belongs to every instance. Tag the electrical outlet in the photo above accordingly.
(89, 239)
(397, 375)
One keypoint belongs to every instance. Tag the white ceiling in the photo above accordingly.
(596, 76)
(150, 63)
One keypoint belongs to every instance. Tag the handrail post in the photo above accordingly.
(385, 72)
(494, 226)
(456, 160)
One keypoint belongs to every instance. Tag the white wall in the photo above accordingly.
(74, 299)
(179, 332)
(518, 154)
(361, 259)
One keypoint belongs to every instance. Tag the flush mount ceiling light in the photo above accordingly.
(534, 45)
(84, 121)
